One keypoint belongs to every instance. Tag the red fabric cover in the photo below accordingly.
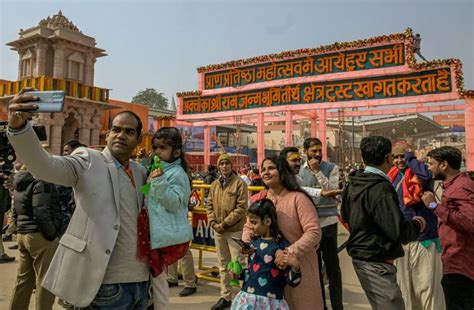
(157, 259)
(412, 189)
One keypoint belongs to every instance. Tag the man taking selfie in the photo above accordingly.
(95, 265)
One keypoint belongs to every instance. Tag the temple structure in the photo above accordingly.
(56, 55)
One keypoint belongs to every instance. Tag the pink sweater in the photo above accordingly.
(299, 224)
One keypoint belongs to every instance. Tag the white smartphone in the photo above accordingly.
(51, 101)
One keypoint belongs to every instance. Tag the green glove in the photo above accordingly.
(155, 164)
(235, 268)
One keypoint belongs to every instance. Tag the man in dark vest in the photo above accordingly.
(318, 173)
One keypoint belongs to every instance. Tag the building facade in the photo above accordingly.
(56, 55)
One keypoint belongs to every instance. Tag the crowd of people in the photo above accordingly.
(101, 231)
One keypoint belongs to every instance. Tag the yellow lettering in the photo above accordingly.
(309, 93)
(428, 83)
(343, 91)
(377, 58)
(394, 55)
(442, 81)
(308, 65)
(209, 82)
(324, 66)
(390, 87)
(330, 95)
(403, 85)
(248, 75)
(361, 58)
(339, 63)
(416, 86)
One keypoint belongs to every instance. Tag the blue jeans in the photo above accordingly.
(121, 296)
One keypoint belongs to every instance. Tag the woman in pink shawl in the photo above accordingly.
(299, 224)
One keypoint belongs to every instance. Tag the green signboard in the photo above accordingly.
(391, 86)
(344, 61)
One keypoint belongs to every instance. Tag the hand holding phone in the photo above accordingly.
(241, 243)
(28, 101)
(51, 101)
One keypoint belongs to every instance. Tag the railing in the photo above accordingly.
(72, 88)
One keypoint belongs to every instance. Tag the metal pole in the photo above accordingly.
(353, 142)
(469, 125)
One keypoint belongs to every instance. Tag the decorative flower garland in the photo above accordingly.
(436, 63)
(406, 36)
(167, 117)
(323, 49)
(191, 93)
(457, 71)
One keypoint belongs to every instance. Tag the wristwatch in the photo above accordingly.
(433, 205)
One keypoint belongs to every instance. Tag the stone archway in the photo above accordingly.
(71, 125)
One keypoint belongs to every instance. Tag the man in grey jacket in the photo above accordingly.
(95, 265)
(318, 173)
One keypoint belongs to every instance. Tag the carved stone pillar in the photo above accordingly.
(40, 69)
(85, 125)
(85, 135)
(96, 126)
(58, 71)
(20, 63)
(95, 136)
(89, 70)
(81, 72)
(55, 140)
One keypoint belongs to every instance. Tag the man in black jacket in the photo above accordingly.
(5, 204)
(39, 221)
(377, 227)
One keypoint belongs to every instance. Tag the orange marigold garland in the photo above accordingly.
(406, 37)
(337, 46)
(191, 93)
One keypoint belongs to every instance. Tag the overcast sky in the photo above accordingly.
(159, 44)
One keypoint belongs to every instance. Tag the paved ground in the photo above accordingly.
(208, 292)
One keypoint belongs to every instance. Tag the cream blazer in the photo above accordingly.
(78, 266)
